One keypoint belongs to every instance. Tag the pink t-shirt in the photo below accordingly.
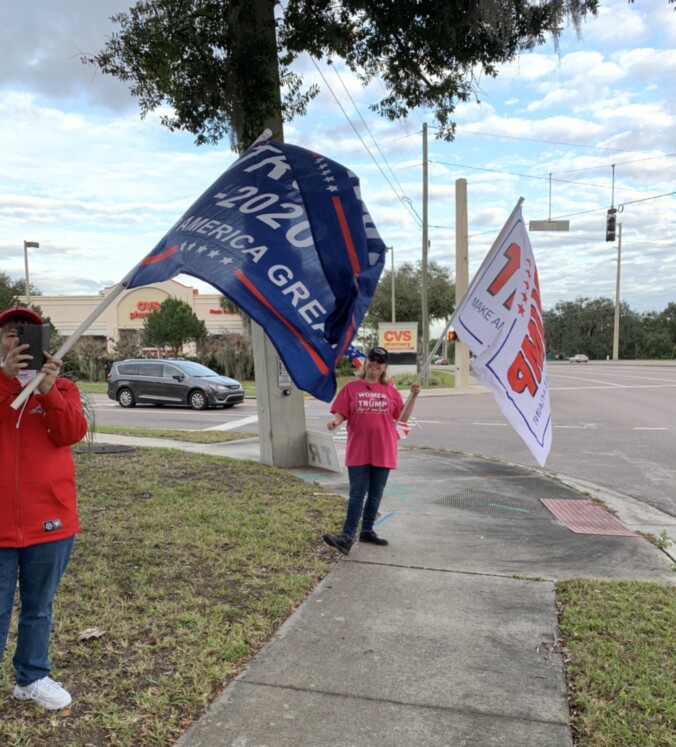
(371, 411)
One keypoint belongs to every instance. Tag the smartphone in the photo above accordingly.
(37, 336)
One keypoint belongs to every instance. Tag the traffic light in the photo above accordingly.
(610, 224)
(452, 335)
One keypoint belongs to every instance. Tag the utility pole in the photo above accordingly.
(281, 411)
(26, 246)
(461, 277)
(616, 326)
(423, 266)
(394, 313)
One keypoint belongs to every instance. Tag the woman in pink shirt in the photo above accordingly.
(371, 405)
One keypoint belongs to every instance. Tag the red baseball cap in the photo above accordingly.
(19, 314)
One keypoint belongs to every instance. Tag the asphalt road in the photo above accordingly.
(613, 425)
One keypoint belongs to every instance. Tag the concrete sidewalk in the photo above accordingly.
(446, 637)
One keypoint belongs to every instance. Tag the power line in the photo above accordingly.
(403, 201)
(534, 176)
(375, 142)
(620, 207)
(537, 140)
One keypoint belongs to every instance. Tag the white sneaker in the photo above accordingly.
(45, 693)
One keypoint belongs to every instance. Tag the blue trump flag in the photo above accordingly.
(285, 234)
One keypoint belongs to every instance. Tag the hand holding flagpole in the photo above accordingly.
(68, 344)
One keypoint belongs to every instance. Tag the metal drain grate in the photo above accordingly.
(496, 505)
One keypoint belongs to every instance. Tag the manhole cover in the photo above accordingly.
(496, 505)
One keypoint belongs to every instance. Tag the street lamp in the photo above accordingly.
(26, 246)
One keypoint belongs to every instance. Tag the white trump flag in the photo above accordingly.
(500, 321)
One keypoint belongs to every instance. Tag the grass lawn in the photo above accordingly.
(619, 642)
(196, 437)
(186, 564)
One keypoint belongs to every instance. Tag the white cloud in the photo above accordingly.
(98, 187)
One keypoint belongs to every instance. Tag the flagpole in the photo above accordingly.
(68, 344)
(408, 407)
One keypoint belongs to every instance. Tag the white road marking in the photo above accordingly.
(613, 386)
(233, 424)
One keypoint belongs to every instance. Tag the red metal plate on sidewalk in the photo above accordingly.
(585, 517)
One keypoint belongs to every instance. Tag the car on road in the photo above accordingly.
(171, 382)
(579, 358)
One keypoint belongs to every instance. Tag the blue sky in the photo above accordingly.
(97, 187)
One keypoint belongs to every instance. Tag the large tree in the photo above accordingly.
(215, 63)
(174, 323)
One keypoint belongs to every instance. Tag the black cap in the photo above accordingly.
(379, 353)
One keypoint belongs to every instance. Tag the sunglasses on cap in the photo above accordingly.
(376, 359)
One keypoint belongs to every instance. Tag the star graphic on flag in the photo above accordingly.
(213, 253)
(226, 260)
(203, 248)
(522, 310)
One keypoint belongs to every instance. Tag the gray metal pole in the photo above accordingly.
(616, 326)
(394, 307)
(423, 264)
(26, 245)
(461, 277)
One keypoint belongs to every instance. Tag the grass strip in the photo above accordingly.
(619, 642)
(187, 563)
(196, 437)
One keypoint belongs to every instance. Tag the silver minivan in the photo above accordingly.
(171, 382)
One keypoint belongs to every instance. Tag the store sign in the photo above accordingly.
(143, 309)
(398, 338)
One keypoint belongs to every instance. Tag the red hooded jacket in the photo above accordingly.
(37, 474)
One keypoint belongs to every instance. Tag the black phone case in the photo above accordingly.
(37, 336)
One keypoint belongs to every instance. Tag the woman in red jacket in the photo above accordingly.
(38, 511)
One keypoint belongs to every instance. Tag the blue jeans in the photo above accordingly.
(368, 481)
(38, 569)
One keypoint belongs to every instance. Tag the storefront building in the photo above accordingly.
(130, 309)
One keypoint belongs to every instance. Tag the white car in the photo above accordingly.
(579, 358)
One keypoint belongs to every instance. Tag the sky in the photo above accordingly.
(571, 130)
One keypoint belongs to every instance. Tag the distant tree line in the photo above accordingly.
(586, 325)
